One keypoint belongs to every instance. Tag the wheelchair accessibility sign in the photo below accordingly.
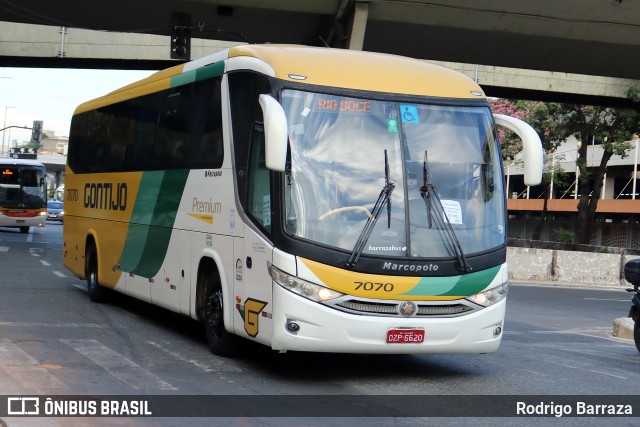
(409, 114)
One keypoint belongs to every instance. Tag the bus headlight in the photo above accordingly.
(301, 287)
(490, 296)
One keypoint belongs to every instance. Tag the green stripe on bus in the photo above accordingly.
(212, 70)
(142, 215)
(152, 221)
(464, 285)
(162, 221)
(202, 73)
(183, 79)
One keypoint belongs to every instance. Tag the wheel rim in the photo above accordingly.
(215, 321)
(91, 272)
(92, 280)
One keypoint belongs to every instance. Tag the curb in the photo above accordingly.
(623, 328)
(552, 284)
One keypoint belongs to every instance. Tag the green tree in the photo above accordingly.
(610, 127)
(543, 118)
(36, 144)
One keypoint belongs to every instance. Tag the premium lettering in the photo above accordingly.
(206, 206)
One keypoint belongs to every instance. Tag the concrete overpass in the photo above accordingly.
(557, 43)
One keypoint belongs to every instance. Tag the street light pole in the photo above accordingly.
(635, 138)
(5, 126)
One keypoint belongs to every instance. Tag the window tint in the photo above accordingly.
(259, 188)
(178, 128)
(206, 125)
(248, 145)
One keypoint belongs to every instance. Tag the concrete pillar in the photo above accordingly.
(607, 188)
(358, 26)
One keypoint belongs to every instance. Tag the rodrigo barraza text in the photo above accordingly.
(578, 408)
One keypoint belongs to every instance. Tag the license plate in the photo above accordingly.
(405, 336)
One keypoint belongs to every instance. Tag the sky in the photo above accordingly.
(51, 95)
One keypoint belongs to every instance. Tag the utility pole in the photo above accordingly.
(5, 127)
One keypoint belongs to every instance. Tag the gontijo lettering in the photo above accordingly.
(105, 195)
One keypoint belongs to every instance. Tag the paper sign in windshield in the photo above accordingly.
(453, 210)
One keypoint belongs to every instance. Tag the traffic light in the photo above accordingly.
(180, 36)
(36, 130)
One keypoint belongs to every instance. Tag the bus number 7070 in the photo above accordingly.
(376, 287)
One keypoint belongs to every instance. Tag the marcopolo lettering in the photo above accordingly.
(409, 267)
(106, 196)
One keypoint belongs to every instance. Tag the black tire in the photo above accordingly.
(221, 342)
(636, 335)
(97, 293)
(24, 230)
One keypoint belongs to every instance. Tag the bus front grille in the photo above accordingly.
(425, 309)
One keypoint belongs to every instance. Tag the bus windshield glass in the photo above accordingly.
(22, 187)
(338, 170)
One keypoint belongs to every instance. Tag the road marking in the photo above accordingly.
(51, 325)
(37, 252)
(574, 364)
(198, 364)
(30, 238)
(25, 370)
(119, 366)
(59, 274)
(45, 263)
(607, 299)
(4, 248)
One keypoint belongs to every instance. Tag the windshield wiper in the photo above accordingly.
(383, 199)
(429, 193)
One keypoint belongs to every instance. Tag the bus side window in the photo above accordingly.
(248, 143)
(121, 128)
(206, 149)
(259, 188)
(172, 133)
(146, 111)
(97, 151)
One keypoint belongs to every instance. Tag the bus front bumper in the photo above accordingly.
(325, 329)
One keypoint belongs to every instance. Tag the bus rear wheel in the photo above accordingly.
(24, 230)
(97, 293)
(221, 342)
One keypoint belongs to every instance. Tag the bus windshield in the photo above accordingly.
(22, 186)
(443, 162)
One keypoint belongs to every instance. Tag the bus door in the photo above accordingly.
(252, 279)
(170, 284)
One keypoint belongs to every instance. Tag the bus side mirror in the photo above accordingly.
(275, 133)
(531, 147)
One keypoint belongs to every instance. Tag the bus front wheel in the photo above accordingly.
(97, 293)
(221, 342)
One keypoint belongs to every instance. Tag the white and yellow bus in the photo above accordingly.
(23, 194)
(307, 199)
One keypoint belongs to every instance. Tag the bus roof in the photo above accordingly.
(348, 69)
(354, 69)
(19, 162)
